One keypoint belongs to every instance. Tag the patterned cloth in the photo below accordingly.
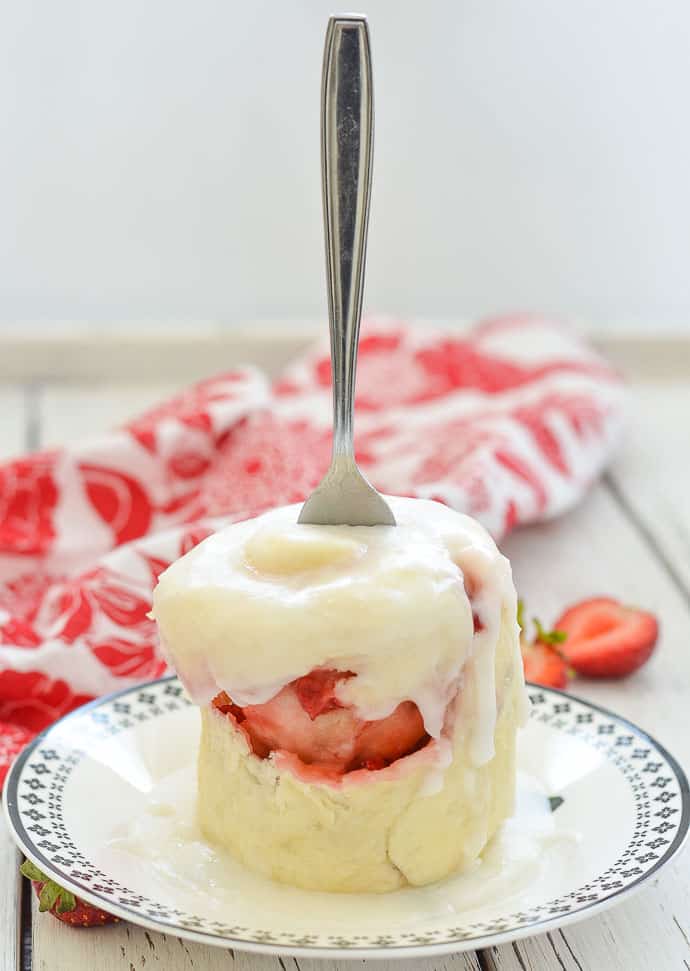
(510, 423)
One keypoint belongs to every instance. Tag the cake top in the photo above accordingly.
(266, 601)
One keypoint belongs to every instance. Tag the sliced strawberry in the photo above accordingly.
(316, 691)
(282, 723)
(544, 665)
(307, 720)
(388, 739)
(607, 639)
(62, 903)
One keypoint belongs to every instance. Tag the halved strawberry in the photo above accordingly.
(282, 723)
(607, 639)
(544, 665)
(63, 904)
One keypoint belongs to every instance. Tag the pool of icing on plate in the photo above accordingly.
(165, 839)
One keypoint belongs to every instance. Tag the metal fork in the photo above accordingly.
(347, 133)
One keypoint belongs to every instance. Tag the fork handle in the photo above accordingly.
(347, 136)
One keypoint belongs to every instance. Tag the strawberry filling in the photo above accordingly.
(307, 720)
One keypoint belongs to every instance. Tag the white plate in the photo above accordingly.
(103, 802)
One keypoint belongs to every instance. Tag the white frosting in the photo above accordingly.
(265, 601)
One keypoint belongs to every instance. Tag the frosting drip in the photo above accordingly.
(413, 611)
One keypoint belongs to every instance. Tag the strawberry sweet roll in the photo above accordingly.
(360, 692)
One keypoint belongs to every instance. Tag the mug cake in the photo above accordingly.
(360, 690)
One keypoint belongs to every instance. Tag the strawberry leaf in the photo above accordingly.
(67, 902)
(31, 871)
(52, 895)
(48, 896)
(548, 636)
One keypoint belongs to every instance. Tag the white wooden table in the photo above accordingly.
(630, 538)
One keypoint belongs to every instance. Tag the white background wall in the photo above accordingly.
(159, 159)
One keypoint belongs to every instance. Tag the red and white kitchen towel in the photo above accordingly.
(510, 422)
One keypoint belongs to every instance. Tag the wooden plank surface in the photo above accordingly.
(627, 540)
(617, 542)
(12, 421)
(125, 947)
(651, 476)
(596, 550)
